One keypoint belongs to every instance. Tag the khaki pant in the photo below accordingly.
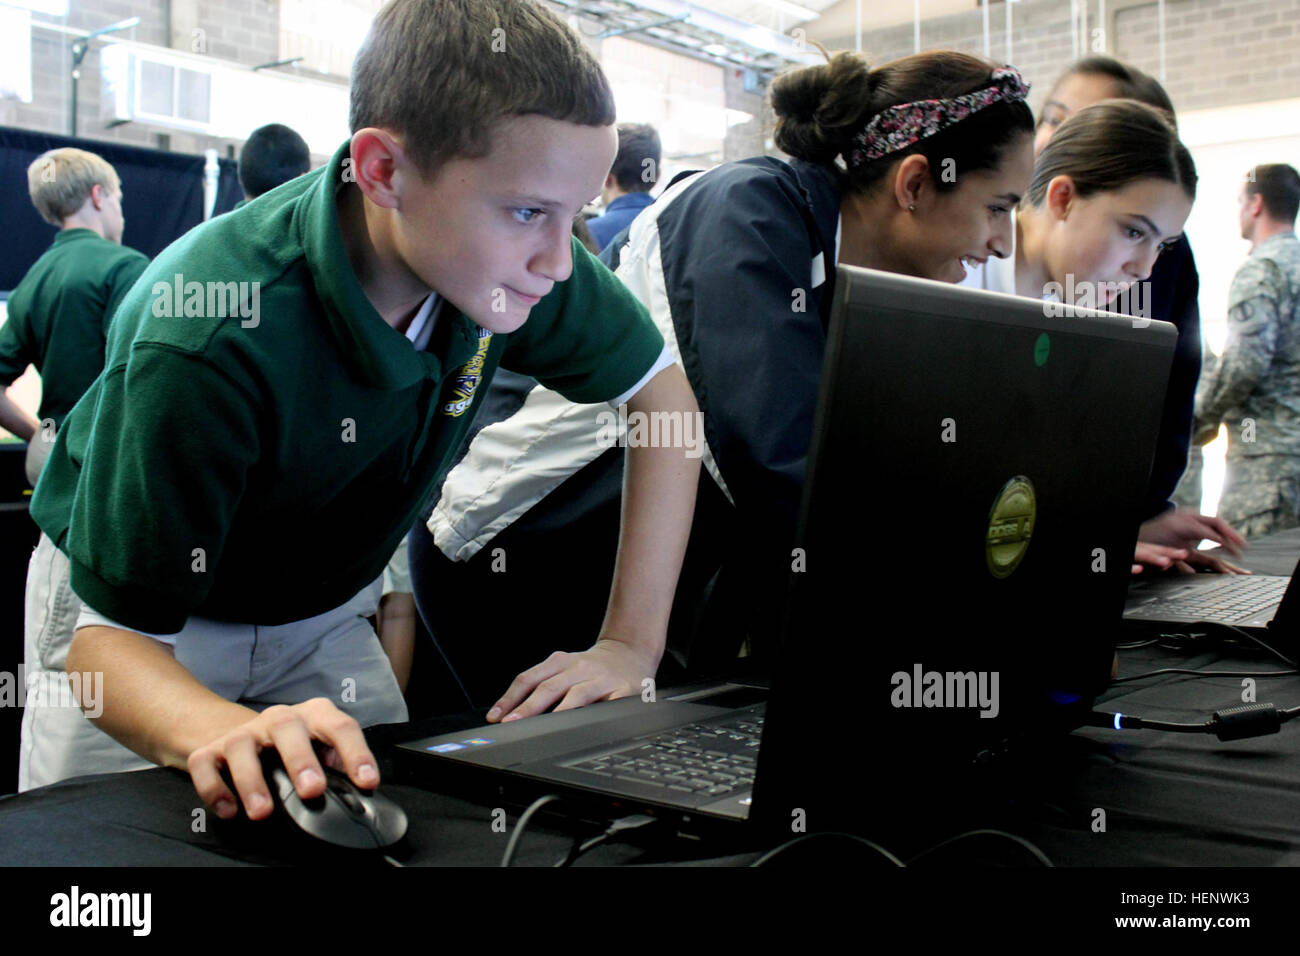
(334, 655)
(38, 450)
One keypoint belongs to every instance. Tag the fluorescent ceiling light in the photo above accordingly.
(795, 10)
(55, 8)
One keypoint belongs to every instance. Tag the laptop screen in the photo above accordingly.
(969, 520)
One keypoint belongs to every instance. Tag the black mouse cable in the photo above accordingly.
(469, 701)
(1132, 645)
(522, 824)
(619, 828)
(1202, 673)
(1034, 851)
(1175, 641)
(628, 829)
(579, 847)
(1230, 723)
(1289, 662)
(1244, 635)
(773, 854)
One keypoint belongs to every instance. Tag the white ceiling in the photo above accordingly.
(756, 34)
(838, 17)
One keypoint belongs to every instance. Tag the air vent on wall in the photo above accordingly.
(196, 93)
(153, 90)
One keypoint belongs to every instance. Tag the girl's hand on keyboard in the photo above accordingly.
(1206, 561)
(1170, 540)
(1182, 560)
(1160, 557)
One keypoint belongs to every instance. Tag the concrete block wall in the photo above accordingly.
(1217, 52)
(246, 31)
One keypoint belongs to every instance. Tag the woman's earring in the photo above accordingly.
(911, 207)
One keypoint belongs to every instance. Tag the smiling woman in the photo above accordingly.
(931, 152)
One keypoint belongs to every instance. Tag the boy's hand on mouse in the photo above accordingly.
(609, 669)
(290, 730)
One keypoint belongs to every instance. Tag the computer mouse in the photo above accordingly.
(344, 815)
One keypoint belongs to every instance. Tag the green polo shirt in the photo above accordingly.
(59, 313)
(257, 454)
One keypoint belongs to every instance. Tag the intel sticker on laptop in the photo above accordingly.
(1011, 522)
(446, 748)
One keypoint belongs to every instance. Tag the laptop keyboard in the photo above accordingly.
(1236, 597)
(708, 758)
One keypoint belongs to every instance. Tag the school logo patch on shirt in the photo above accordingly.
(468, 377)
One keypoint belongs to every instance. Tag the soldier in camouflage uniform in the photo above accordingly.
(1254, 388)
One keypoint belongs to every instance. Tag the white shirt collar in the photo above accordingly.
(421, 328)
(819, 263)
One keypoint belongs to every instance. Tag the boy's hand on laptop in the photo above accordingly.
(290, 730)
(1170, 540)
(608, 669)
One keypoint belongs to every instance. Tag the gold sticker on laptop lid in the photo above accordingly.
(1011, 522)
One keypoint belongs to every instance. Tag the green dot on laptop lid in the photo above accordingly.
(1041, 348)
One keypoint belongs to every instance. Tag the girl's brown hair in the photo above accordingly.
(1110, 144)
(820, 109)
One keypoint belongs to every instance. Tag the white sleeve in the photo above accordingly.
(397, 575)
(513, 464)
(89, 617)
(664, 360)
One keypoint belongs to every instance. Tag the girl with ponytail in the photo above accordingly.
(912, 167)
(1111, 191)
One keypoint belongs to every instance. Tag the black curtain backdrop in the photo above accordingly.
(162, 196)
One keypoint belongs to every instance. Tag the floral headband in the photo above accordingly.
(898, 127)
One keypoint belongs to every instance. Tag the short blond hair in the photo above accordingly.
(60, 181)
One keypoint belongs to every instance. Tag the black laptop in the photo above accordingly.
(968, 525)
(1262, 605)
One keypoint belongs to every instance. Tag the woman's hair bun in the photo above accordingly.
(817, 107)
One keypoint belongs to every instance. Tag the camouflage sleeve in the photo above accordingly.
(1253, 300)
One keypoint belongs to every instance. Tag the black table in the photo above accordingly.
(1166, 799)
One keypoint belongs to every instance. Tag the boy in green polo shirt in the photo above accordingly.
(264, 433)
(59, 312)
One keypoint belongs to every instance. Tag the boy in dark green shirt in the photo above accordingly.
(58, 314)
(264, 434)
